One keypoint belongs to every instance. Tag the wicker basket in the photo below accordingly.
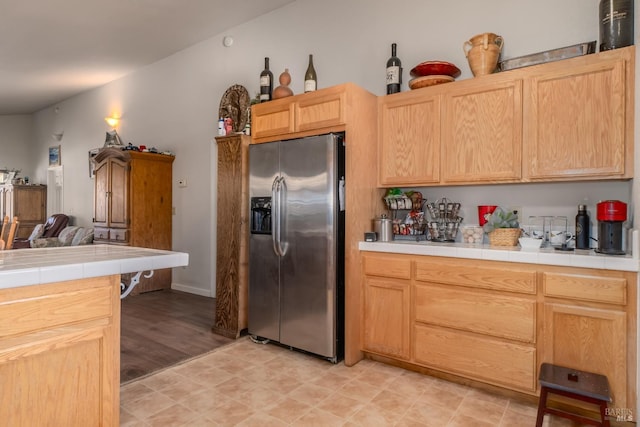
(504, 237)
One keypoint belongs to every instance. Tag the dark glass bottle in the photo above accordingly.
(582, 228)
(310, 77)
(616, 24)
(394, 72)
(266, 82)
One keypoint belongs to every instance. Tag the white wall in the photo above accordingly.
(173, 104)
(15, 144)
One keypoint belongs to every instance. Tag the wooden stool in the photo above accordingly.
(579, 385)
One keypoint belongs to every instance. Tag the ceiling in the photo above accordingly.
(52, 50)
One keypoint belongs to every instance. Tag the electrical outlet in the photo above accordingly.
(182, 182)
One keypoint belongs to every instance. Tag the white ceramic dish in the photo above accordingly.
(529, 243)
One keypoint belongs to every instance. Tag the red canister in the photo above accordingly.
(612, 210)
(484, 213)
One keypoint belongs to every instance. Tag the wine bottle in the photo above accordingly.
(310, 78)
(266, 82)
(394, 72)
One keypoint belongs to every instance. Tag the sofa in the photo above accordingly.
(72, 235)
(52, 228)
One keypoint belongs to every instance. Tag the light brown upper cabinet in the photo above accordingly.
(409, 132)
(482, 132)
(567, 120)
(309, 112)
(579, 118)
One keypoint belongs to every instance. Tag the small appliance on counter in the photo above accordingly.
(383, 227)
(611, 216)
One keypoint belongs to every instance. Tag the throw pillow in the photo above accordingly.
(83, 236)
(66, 236)
(37, 232)
(87, 237)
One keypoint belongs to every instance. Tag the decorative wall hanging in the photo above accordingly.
(235, 104)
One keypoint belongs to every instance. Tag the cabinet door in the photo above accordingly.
(30, 204)
(59, 354)
(387, 326)
(575, 123)
(321, 109)
(482, 133)
(101, 195)
(589, 339)
(272, 118)
(118, 194)
(409, 140)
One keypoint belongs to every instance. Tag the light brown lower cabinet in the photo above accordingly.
(387, 306)
(387, 316)
(497, 322)
(590, 325)
(60, 353)
(476, 356)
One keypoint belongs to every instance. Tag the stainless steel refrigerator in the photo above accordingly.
(296, 244)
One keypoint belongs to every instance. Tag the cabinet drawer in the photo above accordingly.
(320, 110)
(492, 361)
(52, 310)
(464, 273)
(611, 290)
(387, 266)
(100, 233)
(120, 235)
(490, 314)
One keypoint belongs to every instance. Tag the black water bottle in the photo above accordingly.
(582, 228)
(616, 24)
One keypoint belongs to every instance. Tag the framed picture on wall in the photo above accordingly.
(92, 165)
(54, 156)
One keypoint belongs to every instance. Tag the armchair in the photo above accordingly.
(52, 228)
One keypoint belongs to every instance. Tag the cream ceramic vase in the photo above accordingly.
(482, 52)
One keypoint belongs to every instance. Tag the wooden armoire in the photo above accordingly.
(27, 202)
(232, 231)
(132, 205)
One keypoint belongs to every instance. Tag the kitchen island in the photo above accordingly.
(491, 316)
(60, 331)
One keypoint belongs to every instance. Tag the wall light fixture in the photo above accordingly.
(112, 121)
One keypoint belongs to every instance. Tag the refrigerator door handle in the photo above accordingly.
(275, 217)
(282, 216)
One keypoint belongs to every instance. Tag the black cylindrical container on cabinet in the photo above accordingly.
(616, 24)
(582, 228)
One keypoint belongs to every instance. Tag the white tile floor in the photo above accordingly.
(248, 384)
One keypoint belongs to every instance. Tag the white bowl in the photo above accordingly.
(530, 243)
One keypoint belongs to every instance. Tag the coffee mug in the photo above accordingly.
(558, 238)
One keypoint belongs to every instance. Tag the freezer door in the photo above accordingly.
(264, 271)
(308, 266)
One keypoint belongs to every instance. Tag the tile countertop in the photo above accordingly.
(24, 267)
(548, 256)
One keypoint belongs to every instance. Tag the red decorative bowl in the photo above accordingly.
(437, 68)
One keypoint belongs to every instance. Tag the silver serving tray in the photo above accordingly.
(548, 56)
